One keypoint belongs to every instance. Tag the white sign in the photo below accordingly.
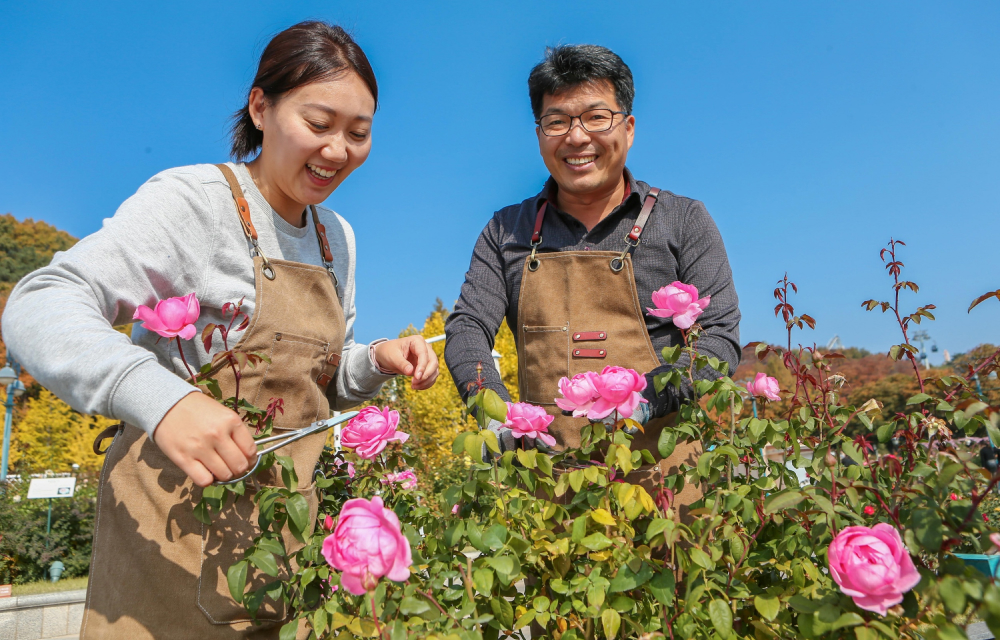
(51, 488)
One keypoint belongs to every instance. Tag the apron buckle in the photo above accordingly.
(533, 262)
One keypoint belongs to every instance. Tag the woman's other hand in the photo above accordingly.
(206, 440)
(409, 356)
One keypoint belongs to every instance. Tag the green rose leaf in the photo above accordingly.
(721, 616)
(474, 447)
(483, 580)
(662, 587)
(666, 443)
(611, 621)
(596, 541)
(503, 611)
(264, 560)
(767, 606)
(298, 515)
(289, 630)
(494, 406)
(626, 579)
(458, 444)
(490, 439)
(852, 452)
(781, 501)
(237, 578)
(413, 606)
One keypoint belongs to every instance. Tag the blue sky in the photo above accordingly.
(812, 131)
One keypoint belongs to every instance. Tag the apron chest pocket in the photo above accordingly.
(546, 360)
(296, 363)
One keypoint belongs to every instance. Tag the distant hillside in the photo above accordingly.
(26, 246)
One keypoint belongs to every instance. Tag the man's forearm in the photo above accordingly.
(468, 347)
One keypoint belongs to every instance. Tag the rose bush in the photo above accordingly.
(803, 531)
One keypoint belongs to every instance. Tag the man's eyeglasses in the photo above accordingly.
(593, 121)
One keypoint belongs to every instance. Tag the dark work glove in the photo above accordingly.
(641, 415)
(508, 442)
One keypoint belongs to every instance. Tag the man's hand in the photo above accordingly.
(409, 356)
(508, 442)
(206, 440)
(641, 415)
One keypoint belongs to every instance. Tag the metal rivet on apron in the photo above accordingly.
(576, 353)
(576, 336)
(277, 336)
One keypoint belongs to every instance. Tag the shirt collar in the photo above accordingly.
(633, 192)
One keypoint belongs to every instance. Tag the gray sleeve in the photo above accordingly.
(703, 262)
(58, 321)
(357, 379)
(472, 327)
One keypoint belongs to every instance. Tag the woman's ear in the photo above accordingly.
(257, 104)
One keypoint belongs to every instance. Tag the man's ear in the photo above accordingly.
(630, 130)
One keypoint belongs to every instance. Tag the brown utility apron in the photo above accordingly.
(156, 571)
(579, 311)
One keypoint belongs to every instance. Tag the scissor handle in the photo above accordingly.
(283, 439)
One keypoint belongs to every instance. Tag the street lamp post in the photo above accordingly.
(15, 388)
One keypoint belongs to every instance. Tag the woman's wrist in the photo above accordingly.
(373, 356)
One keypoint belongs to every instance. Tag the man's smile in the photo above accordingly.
(580, 161)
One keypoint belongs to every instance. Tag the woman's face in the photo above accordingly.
(314, 137)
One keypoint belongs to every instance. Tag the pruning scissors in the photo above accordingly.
(283, 439)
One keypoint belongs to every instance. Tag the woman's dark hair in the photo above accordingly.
(308, 52)
(571, 65)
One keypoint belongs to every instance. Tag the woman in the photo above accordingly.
(232, 232)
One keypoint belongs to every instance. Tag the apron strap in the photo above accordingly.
(324, 249)
(243, 209)
(632, 239)
(536, 235)
(647, 208)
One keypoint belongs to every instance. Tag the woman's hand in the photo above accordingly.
(410, 356)
(206, 440)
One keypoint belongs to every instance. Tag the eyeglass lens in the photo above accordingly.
(594, 121)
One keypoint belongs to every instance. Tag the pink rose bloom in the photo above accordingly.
(872, 566)
(527, 420)
(328, 523)
(406, 479)
(680, 301)
(171, 317)
(366, 545)
(765, 386)
(350, 465)
(579, 393)
(995, 539)
(454, 510)
(618, 389)
(370, 431)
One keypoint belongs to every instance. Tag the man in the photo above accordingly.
(574, 267)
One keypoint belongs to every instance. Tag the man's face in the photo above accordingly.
(582, 162)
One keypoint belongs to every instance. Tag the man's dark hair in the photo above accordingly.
(575, 64)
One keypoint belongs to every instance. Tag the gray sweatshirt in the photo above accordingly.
(178, 234)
